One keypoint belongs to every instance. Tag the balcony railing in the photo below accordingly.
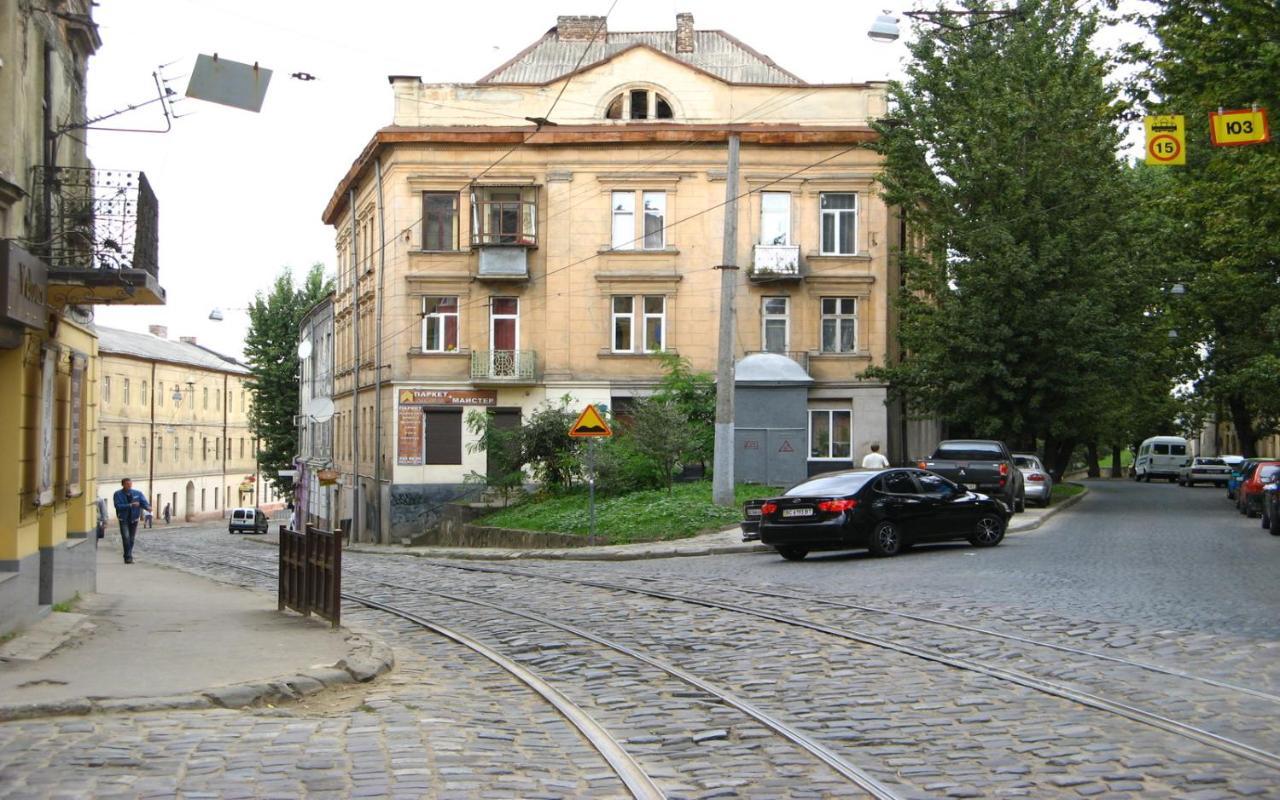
(96, 219)
(504, 366)
(772, 261)
(801, 357)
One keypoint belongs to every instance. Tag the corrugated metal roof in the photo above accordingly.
(153, 348)
(715, 52)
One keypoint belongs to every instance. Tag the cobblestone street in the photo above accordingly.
(1042, 668)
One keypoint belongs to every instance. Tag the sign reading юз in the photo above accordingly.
(1239, 127)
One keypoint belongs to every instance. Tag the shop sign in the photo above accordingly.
(409, 442)
(24, 284)
(44, 466)
(448, 397)
(75, 429)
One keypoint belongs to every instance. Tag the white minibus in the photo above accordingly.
(1160, 457)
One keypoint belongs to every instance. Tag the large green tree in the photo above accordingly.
(1020, 301)
(1211, 54)
(271, 348)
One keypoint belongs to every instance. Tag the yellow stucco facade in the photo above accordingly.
(614, 223)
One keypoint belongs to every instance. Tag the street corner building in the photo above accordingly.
(550, 228)
(73, 236)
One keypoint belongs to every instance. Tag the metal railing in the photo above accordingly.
(310, 573)
(776, 261)
(503, 365)
(91, 218)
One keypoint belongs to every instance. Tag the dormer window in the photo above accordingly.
(639, 104)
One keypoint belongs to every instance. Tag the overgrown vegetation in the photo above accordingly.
(1061, 491)
(67, 605)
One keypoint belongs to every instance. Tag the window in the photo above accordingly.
(504, 215)
(623, 324)
(655, 323)
(160, 394)
(830, 433)
(839, 223)
(624, 220)
(191, 448)
(106, 449)
(142, 450)
(215, 498)
(204, 449)
(775, 324)
(655, 215)
(202, 491)
(614, 111)
(175, 449)
(160, 450)
(124, 393)
(439, 324)
(639, 104)
(217, 401)
(775, 218)
(106, 389)
(897, 483)
(242, 447)
(206, 398)
(839, 324)
(217, 449)
(932, 485)
(142, 394)
(439, 221)
(124, 440)
(443, 435)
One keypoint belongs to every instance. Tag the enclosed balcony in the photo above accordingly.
(504, 229)
(776, 262)
(98, 231)
(504, 367)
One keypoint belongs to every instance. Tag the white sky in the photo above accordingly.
(241, 194)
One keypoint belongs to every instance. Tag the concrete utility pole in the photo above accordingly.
(722, 463)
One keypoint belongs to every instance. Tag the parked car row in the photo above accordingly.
(1253, 487)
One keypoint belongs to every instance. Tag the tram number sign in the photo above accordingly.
(1239, 127)
(1166, 140)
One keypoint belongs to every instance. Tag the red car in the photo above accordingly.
(1251, 490)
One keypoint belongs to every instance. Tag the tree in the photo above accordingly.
(693, 396)
(271, 347)
(657, 431)
(541, 446)
(1002, 151)
(1213, 54)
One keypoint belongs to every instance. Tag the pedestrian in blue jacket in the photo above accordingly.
(130, 504)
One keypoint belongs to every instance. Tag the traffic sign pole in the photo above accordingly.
(591, 489)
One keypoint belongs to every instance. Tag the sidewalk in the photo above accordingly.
(708, 544)
(154, 638)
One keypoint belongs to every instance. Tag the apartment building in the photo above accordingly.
(174, 417)
(547, 229)
(315, 491)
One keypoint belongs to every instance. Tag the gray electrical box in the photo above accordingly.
(771, 410)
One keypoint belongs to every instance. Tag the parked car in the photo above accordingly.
(1271, 507)
(884, 511)
(1036, 479)
(1160, 457)
(247, 520)
(1204, 470)
(1250, 500)
(1238, 478)
(981, 465)
(1234, 464)
(751, 520)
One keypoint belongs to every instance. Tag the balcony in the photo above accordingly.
(98, 231)
(776, 262)
(801, 357)
(498, 263)
(504, 366)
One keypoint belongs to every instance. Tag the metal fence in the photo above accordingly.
(310, 574)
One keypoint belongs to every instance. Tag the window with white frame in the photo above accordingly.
(624, 220)
(775, 324)
(106, 389)
(124, 395)
(839, 223)
(651, 327)
(439, 324)
(839, 324)
(830, 433)
(775, 218)
(655, 220)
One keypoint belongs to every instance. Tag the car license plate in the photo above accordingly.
(797, 512)
(753, 512)
(971, 486)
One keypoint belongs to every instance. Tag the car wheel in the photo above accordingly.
(1266, 521)
(1048, 498)
(886, 539)
(1250, 511)
(793, 553)
(988, 532)
(1020, 504)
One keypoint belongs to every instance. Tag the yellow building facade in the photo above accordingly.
(503, 254)
(174, 418)
(71, 237)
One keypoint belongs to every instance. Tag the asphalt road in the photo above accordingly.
(1157, 555)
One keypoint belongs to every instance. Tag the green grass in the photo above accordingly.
(649, 516)
(1061, 491)
(1126, 460)
(66, 605)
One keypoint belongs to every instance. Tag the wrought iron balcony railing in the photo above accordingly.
(503, 366)
(95, 219)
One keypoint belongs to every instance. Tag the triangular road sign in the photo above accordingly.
(590, 423)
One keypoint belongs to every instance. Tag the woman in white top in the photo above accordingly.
(874, 460)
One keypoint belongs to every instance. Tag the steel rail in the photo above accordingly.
(851, 772)
(623, 764)
(1226, 744)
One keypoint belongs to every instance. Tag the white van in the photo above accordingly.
(1161, 457)
(247, 520)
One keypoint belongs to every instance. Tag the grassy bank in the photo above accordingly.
(1061, 491)
(638, 517)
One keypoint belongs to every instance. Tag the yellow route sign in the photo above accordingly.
(1240, 127)
(1166, 140)
(590, 424)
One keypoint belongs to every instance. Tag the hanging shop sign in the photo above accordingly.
(24, 284)
(1239, 127)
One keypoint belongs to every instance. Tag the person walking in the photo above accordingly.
(166, 513)
(874, 459)
(129, 504)
(146, 519)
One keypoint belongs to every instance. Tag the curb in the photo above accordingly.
(368, 658)
(1052, 511)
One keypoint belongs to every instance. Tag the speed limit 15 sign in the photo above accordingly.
(1243, 126)
(1166, 140)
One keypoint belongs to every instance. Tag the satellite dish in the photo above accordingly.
(321, 409)
(304, 348)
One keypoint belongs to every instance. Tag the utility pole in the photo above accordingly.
(722, 462)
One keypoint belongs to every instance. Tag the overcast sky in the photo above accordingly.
(241, 194)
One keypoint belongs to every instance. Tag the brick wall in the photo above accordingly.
(684, 33)
(579, 29)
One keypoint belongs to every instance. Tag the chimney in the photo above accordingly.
(159, 331)
(684, 33)
(580, 29)
(187, 339)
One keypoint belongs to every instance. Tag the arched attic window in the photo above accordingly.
(639, 104)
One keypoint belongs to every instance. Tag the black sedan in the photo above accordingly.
(884, 511)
